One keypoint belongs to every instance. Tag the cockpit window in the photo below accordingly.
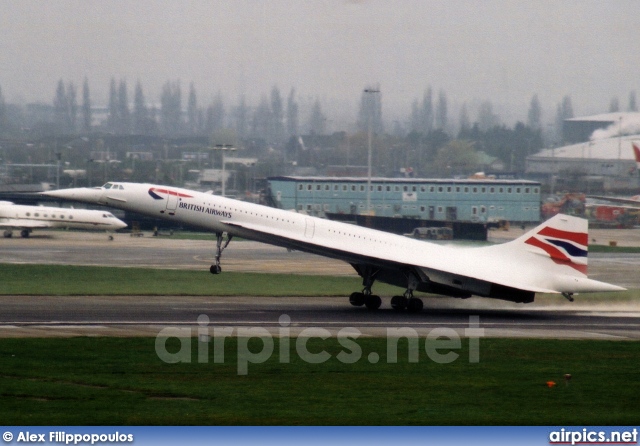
(113, 186)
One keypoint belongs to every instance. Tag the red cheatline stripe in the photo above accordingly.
(577, 237)
(556, 255)
(170, 192)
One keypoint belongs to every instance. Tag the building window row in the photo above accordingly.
(431, 189)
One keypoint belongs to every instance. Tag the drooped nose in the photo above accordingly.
(82, 194)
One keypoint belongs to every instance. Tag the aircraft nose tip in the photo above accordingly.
(61, 193)
(79, 194)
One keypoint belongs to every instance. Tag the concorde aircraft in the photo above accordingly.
(28, 218)
(551, 258)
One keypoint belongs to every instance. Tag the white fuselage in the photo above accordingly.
(32, 217)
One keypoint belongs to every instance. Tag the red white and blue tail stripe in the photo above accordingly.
(565, 246)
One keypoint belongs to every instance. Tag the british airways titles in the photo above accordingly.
(204, 209)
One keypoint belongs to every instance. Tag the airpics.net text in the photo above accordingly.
(441, 345)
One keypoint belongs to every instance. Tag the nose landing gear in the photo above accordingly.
(216, 268)
(568, 296)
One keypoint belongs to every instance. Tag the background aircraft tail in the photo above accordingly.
(636, 153)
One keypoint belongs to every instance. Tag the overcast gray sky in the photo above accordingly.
(504, 51)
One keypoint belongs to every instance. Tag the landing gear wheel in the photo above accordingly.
(372, 302)
(8, 234)
(24, 233)
(356, 299)
(414, 305)
(399, 303)
(215, 269)
(568, 296)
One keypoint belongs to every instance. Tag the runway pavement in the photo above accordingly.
(24, 316)
(36, 316)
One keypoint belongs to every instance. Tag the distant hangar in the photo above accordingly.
(600, 155)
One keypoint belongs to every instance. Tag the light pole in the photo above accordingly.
(58, 158)
(224, 148)
(369, 91)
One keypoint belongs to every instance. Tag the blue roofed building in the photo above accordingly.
(478, 201)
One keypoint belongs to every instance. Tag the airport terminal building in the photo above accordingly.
(445, 200)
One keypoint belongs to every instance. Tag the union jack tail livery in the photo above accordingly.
(565, 240)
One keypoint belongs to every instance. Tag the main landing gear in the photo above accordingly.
(399, 303)
(371, 301)
(23, 233)
(407, 301)
(220, 237)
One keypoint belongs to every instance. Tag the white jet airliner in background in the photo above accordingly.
(27, 218)
(633, 202)
(551, 258)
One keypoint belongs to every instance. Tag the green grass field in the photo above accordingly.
(614, 249)
(88, 280)
(63, 280)
(114, 381)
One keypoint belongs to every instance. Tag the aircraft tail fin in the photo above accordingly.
(563, 238)
(636, 152)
